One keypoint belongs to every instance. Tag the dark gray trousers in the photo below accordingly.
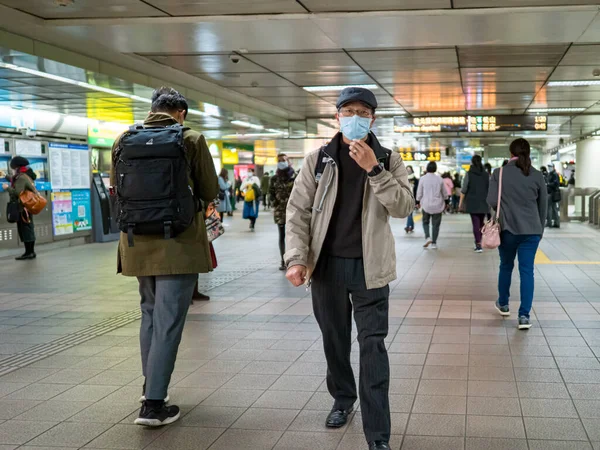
(437, 221)
(335, 280)
(165, 303)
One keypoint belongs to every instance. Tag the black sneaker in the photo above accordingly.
(157, 416)
(282, 267)
(26, 257)
(379, 445)
(524, 323)
(503, 310)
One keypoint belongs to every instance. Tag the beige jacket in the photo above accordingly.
(311, 206)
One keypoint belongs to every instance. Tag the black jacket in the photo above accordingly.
(476, 188)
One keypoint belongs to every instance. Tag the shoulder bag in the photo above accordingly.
(214, 227)
(491, 230)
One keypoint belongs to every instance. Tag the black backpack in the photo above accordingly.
(323, 159)
(154, 196)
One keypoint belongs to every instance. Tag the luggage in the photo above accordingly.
(154, 196)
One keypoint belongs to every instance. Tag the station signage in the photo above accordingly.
(421, 156)
(471, 124)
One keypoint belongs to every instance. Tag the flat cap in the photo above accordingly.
(356, 94)
(18, 161)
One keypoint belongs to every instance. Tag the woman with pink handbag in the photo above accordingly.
(518, 194)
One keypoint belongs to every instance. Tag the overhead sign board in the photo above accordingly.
(421, 156)
(472, 124)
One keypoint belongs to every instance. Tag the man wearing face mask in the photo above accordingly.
(339, 238)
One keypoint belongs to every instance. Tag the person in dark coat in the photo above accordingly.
(21, 181)
(280, 189)
(474, 197)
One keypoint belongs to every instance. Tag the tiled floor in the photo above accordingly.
(250, 373)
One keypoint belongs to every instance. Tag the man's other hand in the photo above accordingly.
(296, 275)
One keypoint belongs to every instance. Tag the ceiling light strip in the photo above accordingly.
(84, 85)
(242, 123)
(574, 83)
(555, 110)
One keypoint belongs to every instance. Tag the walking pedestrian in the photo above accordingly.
(554, 197)
(432, 196)
(338, 236)
(281, 186)
(251, 189)
(473, 197)
(224, 205)
(163, 248)
(523, 205)
(414, 183)
(264, 188)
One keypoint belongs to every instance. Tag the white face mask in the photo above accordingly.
(282, 165)
(250, 174)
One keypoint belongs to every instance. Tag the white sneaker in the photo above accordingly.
(433, 246)
(427, 243)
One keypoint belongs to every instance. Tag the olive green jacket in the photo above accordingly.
(189, 252)
(23, 183)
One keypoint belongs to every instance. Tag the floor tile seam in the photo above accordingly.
(414, 401)
(589, 440)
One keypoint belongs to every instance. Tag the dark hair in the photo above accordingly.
(168, 100)
(432, 167)
(446, 175)
(477, 163)
(224, 174)
(488, 168)
(544, 169)
(18, 161)
(505, 162)
(521, 149)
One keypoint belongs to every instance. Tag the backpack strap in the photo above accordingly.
(322, 160)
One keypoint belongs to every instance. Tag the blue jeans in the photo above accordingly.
(410, 222)
(524, 245)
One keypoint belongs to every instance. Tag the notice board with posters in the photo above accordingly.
(69, 166)
(62, 213)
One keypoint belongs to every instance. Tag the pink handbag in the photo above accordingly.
(491, 229)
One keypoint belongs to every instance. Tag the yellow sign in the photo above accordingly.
(104, 134)
(265, 153)
(230, 156)
(421, 156)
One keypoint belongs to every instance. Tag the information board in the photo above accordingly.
(62, 213)
(81, 209)
(421, 156)
(472, 124)
(69, 166)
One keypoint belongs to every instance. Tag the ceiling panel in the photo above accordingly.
(563, 72)
(49, 9)
(419, 90)
(519, 3)
(504, 87)
(326, 78)
(216, 63)
(544, 103)
(373, 5)
(309, 62)
(229, 79)
(582, 55)
(226, 7)
(551, 94)
(273, 91)
(437, 58)
(432, 102)
(511, 55)
(412, 76)
(494, 74)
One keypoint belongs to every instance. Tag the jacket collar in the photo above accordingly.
(159, 120)
(333, 147)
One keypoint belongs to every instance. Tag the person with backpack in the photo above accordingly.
(161, 172)
(265, 181)
(414, 182)
(251, 189)
(21, 181)
(523, 202)
(554, 197)
(338, 238)
(280, 190)
(473, 197)
(432, 196)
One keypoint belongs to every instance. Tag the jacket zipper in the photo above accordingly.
(331, 162)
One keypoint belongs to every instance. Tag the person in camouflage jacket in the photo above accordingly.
(280, 190)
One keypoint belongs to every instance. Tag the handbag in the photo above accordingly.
(33, 202)
(491, 229)
(214, 227)
(12, 211)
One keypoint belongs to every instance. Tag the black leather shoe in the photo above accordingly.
(337, 418)
(379, 445)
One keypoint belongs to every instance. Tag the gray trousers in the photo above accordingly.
(335, 280)
(553, 212)
(165, 303)
(437, 221)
